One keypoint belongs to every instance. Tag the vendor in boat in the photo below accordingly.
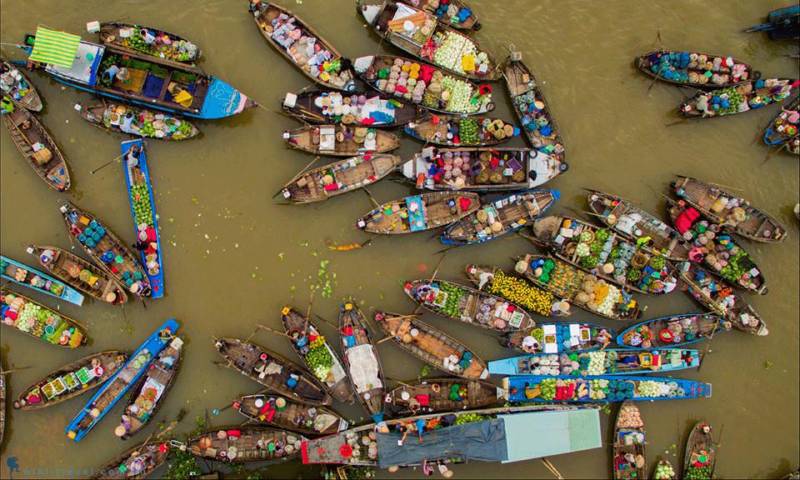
(115, 72)
(300, 341)
(180, 95)
(6, 105)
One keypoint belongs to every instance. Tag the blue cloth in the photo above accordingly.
(152, 86)
(349, 341)
(291, 382)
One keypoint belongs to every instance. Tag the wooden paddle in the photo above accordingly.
(6, 372)
(270, 330)
(115, 159)
(312, 162)
(371, 198)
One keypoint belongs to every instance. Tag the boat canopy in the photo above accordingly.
(54, 48)
(84, 66)
(542, 434)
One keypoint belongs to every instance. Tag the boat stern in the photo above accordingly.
(222, 100)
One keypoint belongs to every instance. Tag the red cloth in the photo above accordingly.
(464, 203)
(425, 73)
(424, 400)
(151, 234)
(348, 330)
(685, 220)
(234, 433)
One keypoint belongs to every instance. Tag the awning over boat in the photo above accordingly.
(84, 65)
(54, 48)
(542, 434)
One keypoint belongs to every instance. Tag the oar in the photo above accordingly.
(677, 122)
(773, 152)
(708, 345)
(270, 330)
(6, 372)
(549, 465)
(725, 186)
(371, 198)
(658, 75)
(327, 321)
(384, 340)
(312, 162)
(397, 381)
(117, 158)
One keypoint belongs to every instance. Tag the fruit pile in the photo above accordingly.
(470, 418)
(451, 307)
(38, 321)
(664, 471)
(520, 292)
(141, 204)
(319, 359)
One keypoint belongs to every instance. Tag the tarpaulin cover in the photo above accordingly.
(54, 47)
(543, 434)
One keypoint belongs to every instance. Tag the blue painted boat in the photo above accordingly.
(610, 361)
(143, 212)
(151, 82)
(557, 337)
(782, 23)
(21, 274)
(672, 331)
(600, 389)
(117, 386)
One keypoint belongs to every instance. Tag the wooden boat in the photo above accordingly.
(18, 87)
(782, 24)
(634, 223)
(151, 82)
(557, 337)
(375, 70)
(143, 212)
(417, 213)
(281, 412)
(605, 254)
(518, 290)
(271, 370)
(460, 131)
(340, 140)
(164, 45)
(742, 98)
(145, 123)
(715, 249)
(317, 354)
(608, 361)
(783, 130)
(149, 394)
(39, 281)
(441, 395)
(106, 249)
(362, 360)
(79, 273)
(432, 346)
(629, 441)
(664, 470)
(689, 68)
(673, 331)
(136, 463)
(721, 299)
(245, 443)
(118, 385)
(463, 18)
(468, 305)
(729, 210)
(498, 218)
(426, 37)
(39, 149)
(601, 389)
(39, 321)
(71, 380)
(567, 281)
(339, 177)
(275, 22)
(700, 455)
(366, 108)
(533, 112)
(3, 387)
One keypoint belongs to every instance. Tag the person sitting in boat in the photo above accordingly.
(180, 95)
(300, 341)
(127, 124)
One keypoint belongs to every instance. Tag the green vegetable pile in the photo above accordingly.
(451, 306)
(141, 204)
(470, 418)
(697, 473)
(468, 131)
(319, 359)
(547, 388)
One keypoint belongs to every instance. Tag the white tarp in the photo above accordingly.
(364, 370)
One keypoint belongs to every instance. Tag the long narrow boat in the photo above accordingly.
(271, 370)
(608, 361)
(436, 395)
(281, 412)
(339, 177)
(38, 148)
(694, 69)
(664, 470)
(432, 346)
(417, 213)
(38, 281)
(106, 249)
(700, 455)
(673, 331)
(784, 129)
(601, 389)
(71, 380)
(317, 354)
(745, 97)
(459, 131)
(149, 41)
(582, 289)
(482, 169)
(729, 210)
(468, 305)
(420, 34)
(531, 108)
(149, 394)
(136, 121)
(557, 337)
(147, 81)
(246, 443)
(500, 217)
(601, 252)
(79, 273)
(18, 87)
(636, 224)
(143, 211)
(39, 321)
(3, 388)
(362, 360)
(136, 463)
(455, 12)
(715, 248)
(292, 37)
(628, 460)
(782, 23)
(433, 88)
(340, 140)
(117, 386)
(517, 290)
(366, 109)
(721, 299)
